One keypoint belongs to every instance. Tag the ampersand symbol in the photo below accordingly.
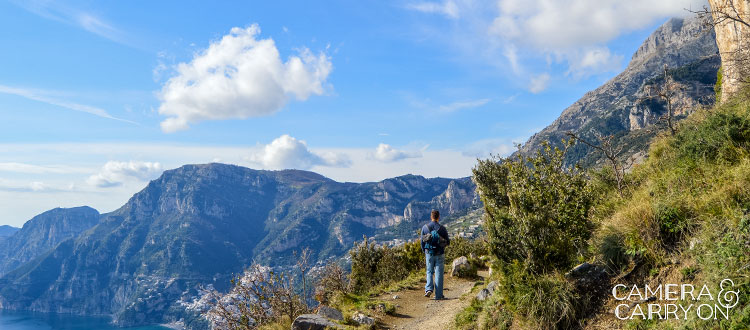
(726, 297)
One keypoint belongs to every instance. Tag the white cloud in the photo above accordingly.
(455, 106)
(448, 8)
(548, 24)
(487, 147)
(38, 95)
(385, 153)
(38, 169)
(539, 83)
(592, 60)
(524, 37)
(60, 12)
(240, 77)
(115, 173)
(286, 152)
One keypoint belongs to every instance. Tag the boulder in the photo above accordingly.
(483, 295)
(492, 287)
(313, 322)
(331, 313)
(363, 319)
(462, 268)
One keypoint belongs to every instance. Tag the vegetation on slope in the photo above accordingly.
(684, 218)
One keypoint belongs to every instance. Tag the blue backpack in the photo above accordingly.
(433, 240)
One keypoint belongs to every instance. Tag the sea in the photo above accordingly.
(13, 320)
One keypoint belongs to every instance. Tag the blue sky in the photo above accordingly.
(96, 98)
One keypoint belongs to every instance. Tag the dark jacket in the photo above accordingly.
(428, 228)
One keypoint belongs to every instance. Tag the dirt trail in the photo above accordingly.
(414, 311)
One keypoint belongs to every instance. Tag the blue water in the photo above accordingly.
(12, 320)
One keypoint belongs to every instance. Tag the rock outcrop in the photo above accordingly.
(622, 106)
(313, 322)
(43, 233)
(733, 40)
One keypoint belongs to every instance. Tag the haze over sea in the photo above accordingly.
(12, 320)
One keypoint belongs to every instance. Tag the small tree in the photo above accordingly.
(537, 211)
(303, 264)
(612, 152)
(258, 297)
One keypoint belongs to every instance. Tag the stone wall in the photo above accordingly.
(732, 40)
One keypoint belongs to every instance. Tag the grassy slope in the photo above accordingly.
(685, 218)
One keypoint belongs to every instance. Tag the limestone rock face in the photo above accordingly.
(732, 40)
(622, 106)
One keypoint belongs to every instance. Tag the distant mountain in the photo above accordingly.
(6, 230)
(44, 232)
(621, 106)
(200, 223)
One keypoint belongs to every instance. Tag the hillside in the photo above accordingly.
(44, 232)
(621, 106)
(6, 231)
(200, 223)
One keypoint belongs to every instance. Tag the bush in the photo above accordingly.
(333, 280)
(720, 136)
(259, 298)
(374, 265)
(537, 211)
(465, 247)
(545, 301)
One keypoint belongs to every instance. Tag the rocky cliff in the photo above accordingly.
(622, 106)
(198, 224)
(732, 38)
(44, 232)
(6, 231)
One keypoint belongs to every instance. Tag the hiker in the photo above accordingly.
(434, 240)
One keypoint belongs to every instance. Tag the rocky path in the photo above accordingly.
(414, 311)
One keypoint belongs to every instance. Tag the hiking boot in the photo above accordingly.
(440, 298)
(427, 294)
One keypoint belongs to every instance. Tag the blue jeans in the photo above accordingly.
(435, 265)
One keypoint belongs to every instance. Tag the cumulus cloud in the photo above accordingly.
(524, 36)
(286, 152)
(579, 23)
(239, 77)
(115, 173)
(385, 153)
(592, 60)
(448, 8)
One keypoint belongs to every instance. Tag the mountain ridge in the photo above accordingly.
(198, 224)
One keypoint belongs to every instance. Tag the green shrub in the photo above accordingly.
(374, 265)
(537, 211)
(720, 136)
(544, 301)
(365, 259)
(461, 246)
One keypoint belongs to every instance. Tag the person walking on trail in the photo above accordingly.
(434, 240)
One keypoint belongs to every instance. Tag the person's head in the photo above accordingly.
(435, 215)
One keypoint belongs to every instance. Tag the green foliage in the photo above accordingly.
(461, 246)
(721, 136)
(544, 301)
(332, 280)
(719, 81)
(374, 265)
(537, 210)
